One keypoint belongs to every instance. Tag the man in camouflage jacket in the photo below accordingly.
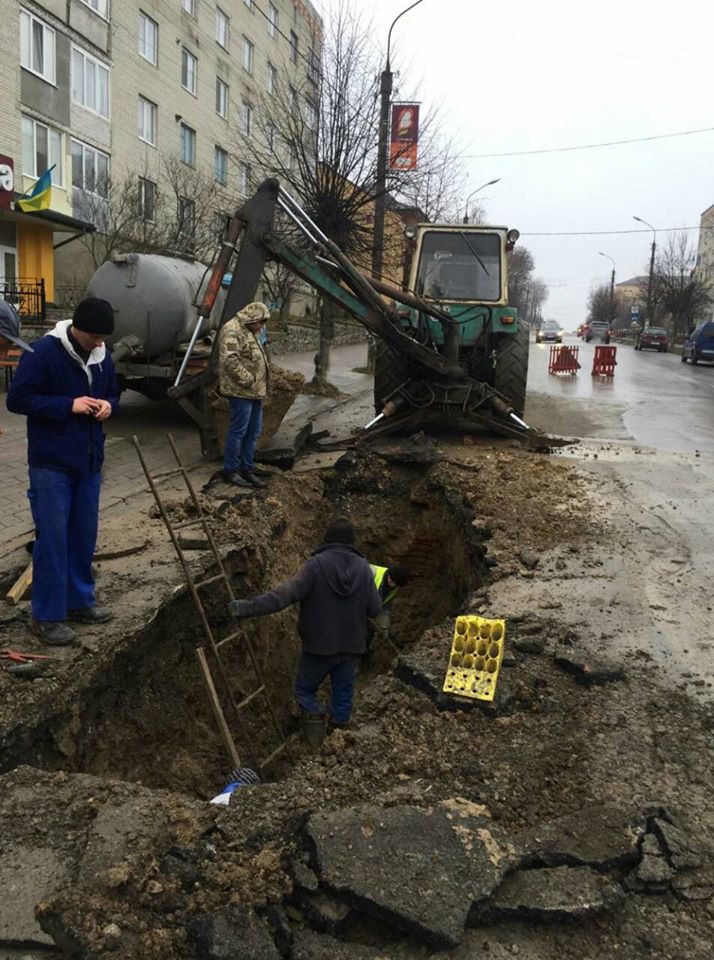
(243, 378)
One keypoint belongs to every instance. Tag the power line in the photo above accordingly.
(587, 146)
(602, 233)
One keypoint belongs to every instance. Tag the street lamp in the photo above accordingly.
(380, 200)
(650, 281)
(612, 285)
(473, 194)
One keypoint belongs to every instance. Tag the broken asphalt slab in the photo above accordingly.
(557, 893)
(235, 933)
(599, 836)
(586, 668)
(376, 859)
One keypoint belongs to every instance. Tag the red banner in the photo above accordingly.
(405, 136)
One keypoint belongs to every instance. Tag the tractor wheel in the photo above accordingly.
(390, 372)
(512, 367)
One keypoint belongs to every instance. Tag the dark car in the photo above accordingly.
(550, 330)
(598, 329)
(653, 338)
(699, 345)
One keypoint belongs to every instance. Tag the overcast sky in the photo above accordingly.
(520, 76)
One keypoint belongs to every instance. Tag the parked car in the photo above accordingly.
(550, 330)
(654, 338)
(598, 330)
(699, 345)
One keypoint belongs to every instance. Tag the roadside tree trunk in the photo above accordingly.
(320, 379)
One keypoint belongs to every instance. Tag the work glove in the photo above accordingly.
(235, 609)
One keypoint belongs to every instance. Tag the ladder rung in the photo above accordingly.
(231, 636)
(205, 583)
(276, 753)
(251, 696)
(188, 523)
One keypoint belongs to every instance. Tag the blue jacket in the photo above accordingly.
(45, 384)
(336, 592)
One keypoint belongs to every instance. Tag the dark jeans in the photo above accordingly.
(65, 509)
(243, 432)
(313, 669)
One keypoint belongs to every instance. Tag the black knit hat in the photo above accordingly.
(94, 316)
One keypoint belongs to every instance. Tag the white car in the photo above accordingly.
(550, 330)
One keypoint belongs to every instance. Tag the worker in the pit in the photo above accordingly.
(387, 580)
(336, 592)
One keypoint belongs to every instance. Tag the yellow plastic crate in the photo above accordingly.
(475, 659)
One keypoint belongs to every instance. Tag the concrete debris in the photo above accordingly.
(377, 858)
(653, 873)
(681, 851)
(283, 451)
(601, 836)
(235, 933)
(308, 945)
(585, 668)
(424, 669)
(323, 911)
(529, 558)
(559, 893)
(533, 644)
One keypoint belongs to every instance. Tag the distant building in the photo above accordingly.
(704, 269)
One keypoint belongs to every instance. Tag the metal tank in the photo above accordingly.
(153, 299)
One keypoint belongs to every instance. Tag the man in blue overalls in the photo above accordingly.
(66, 388)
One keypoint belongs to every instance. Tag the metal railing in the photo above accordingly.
(27, 297)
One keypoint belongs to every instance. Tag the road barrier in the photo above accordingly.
(563, 360)
(604, 361)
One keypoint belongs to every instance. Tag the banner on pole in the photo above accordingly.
(405, 136)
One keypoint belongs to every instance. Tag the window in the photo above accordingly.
(41, 149)
(221, 98)
(219, 226)
(293, 46)
(244, 178)
(37, 46)
(272, 79)
(246, 120)
(186, 213)
(188, 7)
(148, 38)
(293, 100)
(310, 115)
(270, 138)
(188, 145)
(90, 83)
(272, 20)
(90, 168)
(249, 4)
(223, 23)
(99, 6)
(247, 55)
(220, 166)
(147, 199)
(313, 66)
(147, 121)
(189, 71)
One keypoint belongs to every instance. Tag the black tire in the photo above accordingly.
(693, 359)
(511, 374)
(683, 358)
(390, 372)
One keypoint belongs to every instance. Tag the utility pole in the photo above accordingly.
(650, 281)
(473, 194)
(612, 286)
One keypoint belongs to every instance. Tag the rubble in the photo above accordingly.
(599, 836)
(234, 933)
(587, 668)
(558, 893)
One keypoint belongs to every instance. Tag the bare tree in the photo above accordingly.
(604, 309)
(678, 290)
(525, 291)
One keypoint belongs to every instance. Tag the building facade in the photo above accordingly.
(705, 247)
(143, 105)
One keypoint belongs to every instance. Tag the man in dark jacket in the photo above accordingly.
(66, 388)
(336, 592)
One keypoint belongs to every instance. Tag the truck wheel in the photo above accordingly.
(390, 372)
(512, 367)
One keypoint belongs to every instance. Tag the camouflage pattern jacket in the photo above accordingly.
(242, 363)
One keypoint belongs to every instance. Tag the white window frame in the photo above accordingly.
(246, 118)
(224, 88)
(223, 28)
(143, 181)
(190, 139)
(189, 7)
(186, 58)
(248, 52)
(220, 154)
(87, 149)
(100, 7)
(244, 178)
(153, 113)
(310, 115)
(49, 43)
(98, 65)
(249, 4)
(184, 204)
(145, 19)
(272, 82)
(273, 15)
(52, 158)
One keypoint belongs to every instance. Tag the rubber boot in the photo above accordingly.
(314, 729)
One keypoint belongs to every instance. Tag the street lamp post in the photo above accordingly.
(473, 194)
(380, 199)
(650, 281)
(612, 285)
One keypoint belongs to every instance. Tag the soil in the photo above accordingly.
(484, 526)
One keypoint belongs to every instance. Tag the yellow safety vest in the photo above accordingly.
(379, 574)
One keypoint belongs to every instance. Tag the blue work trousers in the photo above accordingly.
(65, 508)
(243, 432)
(313, 669)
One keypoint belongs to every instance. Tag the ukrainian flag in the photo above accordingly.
(41, 196)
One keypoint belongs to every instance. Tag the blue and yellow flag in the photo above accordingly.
(41, 196)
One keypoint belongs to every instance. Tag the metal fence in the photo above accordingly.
(27, 297)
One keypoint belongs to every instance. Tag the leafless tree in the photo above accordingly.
(604, 309)
(525, 291)
(678, 290)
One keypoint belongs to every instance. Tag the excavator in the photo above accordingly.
(449, 348)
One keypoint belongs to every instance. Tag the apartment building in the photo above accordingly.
(705, 247)
(159, 96)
